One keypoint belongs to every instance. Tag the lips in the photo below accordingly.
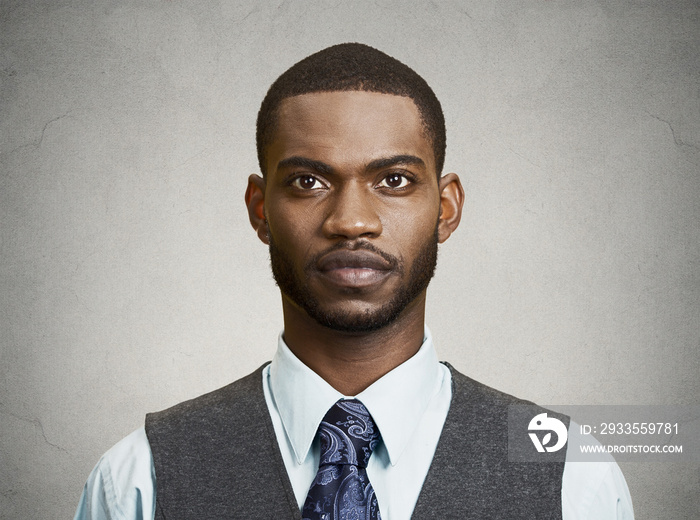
(354, 269)
(348, 259)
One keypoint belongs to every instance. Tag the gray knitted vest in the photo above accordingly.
(217, 457)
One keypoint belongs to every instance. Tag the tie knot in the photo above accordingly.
(348, 434)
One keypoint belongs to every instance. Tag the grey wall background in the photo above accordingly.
(130, 280)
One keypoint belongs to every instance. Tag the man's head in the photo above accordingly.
(351, 203)
(352, 67)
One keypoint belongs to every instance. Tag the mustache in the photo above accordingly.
(356, 245)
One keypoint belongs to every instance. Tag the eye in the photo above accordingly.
(307, 182)
(394, 181)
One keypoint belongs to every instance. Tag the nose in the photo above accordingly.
(352, 214)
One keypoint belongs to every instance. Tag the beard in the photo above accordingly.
(294, 287)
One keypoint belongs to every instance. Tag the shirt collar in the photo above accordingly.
(397, 401)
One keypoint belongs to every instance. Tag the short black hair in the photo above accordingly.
(352, 67)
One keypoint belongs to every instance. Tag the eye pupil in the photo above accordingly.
(394, 180)
(307, 182)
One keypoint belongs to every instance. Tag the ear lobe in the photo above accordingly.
(451, 202)
(255, 202)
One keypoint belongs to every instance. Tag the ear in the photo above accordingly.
(451, 202)
(255, 201)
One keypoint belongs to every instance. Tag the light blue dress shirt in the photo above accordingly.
(409, 406)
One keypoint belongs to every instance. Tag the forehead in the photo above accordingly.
(349, 127)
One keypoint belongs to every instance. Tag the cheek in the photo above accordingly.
(292, 236)
(410, 232)
(293, 219)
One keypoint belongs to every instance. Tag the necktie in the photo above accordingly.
(341, 489)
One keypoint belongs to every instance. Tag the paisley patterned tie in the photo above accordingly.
(341, 489)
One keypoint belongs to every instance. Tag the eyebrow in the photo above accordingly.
(326, 169)
(304, 162)
(378, 164)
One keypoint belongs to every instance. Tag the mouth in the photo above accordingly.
(354, 269)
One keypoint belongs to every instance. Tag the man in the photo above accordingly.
(354, 417)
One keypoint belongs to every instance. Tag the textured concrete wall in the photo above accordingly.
(130, 280)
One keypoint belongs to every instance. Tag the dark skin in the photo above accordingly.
(344, 170)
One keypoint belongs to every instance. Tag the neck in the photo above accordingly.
(350, 362)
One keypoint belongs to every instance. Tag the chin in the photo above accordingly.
(371, 319)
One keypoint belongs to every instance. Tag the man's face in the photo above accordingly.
(352, 205)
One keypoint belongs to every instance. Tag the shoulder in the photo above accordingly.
(122, 484)
(498, 419)
(220, 443)
(588, 489)
(594, 489)
(469, 388)
(210, 428)
(130, 457)
(505, 414)
(235, 399)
